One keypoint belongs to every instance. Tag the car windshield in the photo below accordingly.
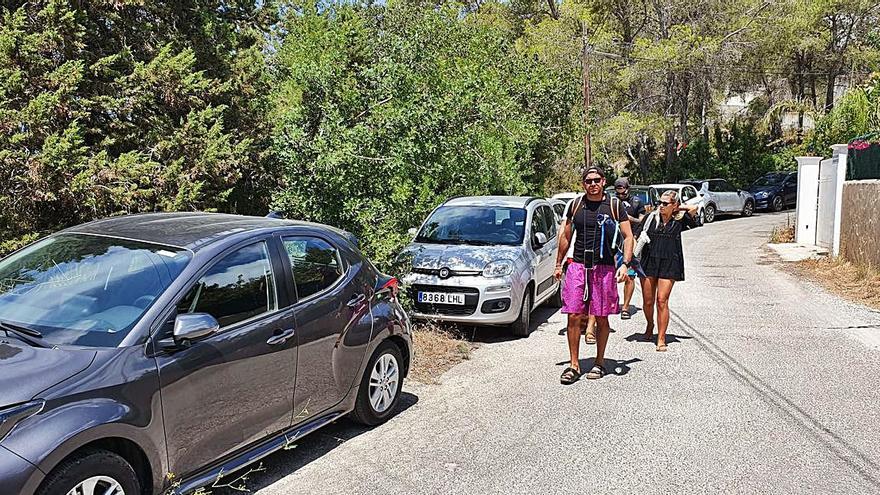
(78, 289)
(770, 180)
(475, 225)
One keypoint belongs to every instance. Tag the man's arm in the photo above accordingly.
(564, 242)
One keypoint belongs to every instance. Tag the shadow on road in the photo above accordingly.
(307, 450)
(497, 334)
(670, 338)
(612, 366)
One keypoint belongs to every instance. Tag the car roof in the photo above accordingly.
(669, 186)
(504, 201)
(185, 230)
(566, 196)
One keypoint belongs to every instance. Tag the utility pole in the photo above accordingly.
(585, 69)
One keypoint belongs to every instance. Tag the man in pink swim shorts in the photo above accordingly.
(598, 224)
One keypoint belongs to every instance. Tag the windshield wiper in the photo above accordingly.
(29, 335)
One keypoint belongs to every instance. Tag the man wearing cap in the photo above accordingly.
(635, 210)
(590, 282)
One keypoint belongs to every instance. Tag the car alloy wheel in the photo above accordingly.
(709, 214)
(777, 203)
(383, 383)
(748, 209)
(98, 485)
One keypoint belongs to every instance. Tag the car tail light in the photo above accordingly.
(388, 285)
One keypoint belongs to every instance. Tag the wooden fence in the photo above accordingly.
(860, 222)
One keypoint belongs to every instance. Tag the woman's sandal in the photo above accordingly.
(569, 376)
(595, 373)
(590, 339)
(661, 347)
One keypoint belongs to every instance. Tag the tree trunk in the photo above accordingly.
(830, 83)
(554, 9)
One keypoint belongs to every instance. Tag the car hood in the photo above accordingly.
(28, 370)
(757, 189)
(457, 257)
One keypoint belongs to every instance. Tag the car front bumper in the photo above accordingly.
(17, 475)
(762, 204)
(488, 301)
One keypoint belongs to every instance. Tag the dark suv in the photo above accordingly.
(151, 352)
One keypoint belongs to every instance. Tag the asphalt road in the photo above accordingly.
(770, 385)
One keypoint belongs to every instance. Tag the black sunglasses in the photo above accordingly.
(597, 180)
(665, 203)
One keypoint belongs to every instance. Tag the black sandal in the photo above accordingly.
(595, 373)
(569, 376)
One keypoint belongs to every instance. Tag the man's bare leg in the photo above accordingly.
(629, 287)
(604, 330)
(575, 324)
(590, 337)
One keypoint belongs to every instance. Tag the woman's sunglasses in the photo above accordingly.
(665, 203)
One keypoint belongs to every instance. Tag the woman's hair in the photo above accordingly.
(671, 195)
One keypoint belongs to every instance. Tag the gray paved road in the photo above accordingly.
(770, 385)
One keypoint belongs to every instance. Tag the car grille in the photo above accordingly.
(471, 298)
(452, 273)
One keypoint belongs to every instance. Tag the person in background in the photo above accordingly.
(635, 209)
(663, 261)
(590, 283)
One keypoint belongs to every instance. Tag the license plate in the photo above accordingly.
(441, 298)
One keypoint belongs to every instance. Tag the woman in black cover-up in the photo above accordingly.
(663, 260)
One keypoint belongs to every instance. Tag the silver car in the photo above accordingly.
(483, 260)
(721, 197)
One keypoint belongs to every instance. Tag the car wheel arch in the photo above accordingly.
(109, 433)
(132, 452)
(404, 351)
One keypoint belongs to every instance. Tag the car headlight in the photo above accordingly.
(13, 414)
(500, 268)
(761, 194)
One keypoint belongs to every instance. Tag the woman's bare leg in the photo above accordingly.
(649, 289)
(664, 289)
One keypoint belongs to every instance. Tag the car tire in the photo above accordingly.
(777, 204)
(370, 408)
(748, 209)
(522, 326)
(95, 469)
(709, 214)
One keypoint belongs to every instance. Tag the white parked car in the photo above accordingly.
(721, 197)
(687, 194)
(483, 260)
(559, 208)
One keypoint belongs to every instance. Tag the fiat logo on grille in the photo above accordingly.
(444, 272)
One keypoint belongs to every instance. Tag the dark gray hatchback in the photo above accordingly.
(150, 353)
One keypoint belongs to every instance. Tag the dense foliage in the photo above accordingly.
(367, 115)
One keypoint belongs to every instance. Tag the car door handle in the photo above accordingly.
(356, 300)
(281, 337)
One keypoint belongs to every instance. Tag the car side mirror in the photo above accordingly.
(189, 328)
(540, 239)
(192, 327)
(412, 232)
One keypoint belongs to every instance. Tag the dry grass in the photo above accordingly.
(783, 233)
(436, 350)
(857, 283)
